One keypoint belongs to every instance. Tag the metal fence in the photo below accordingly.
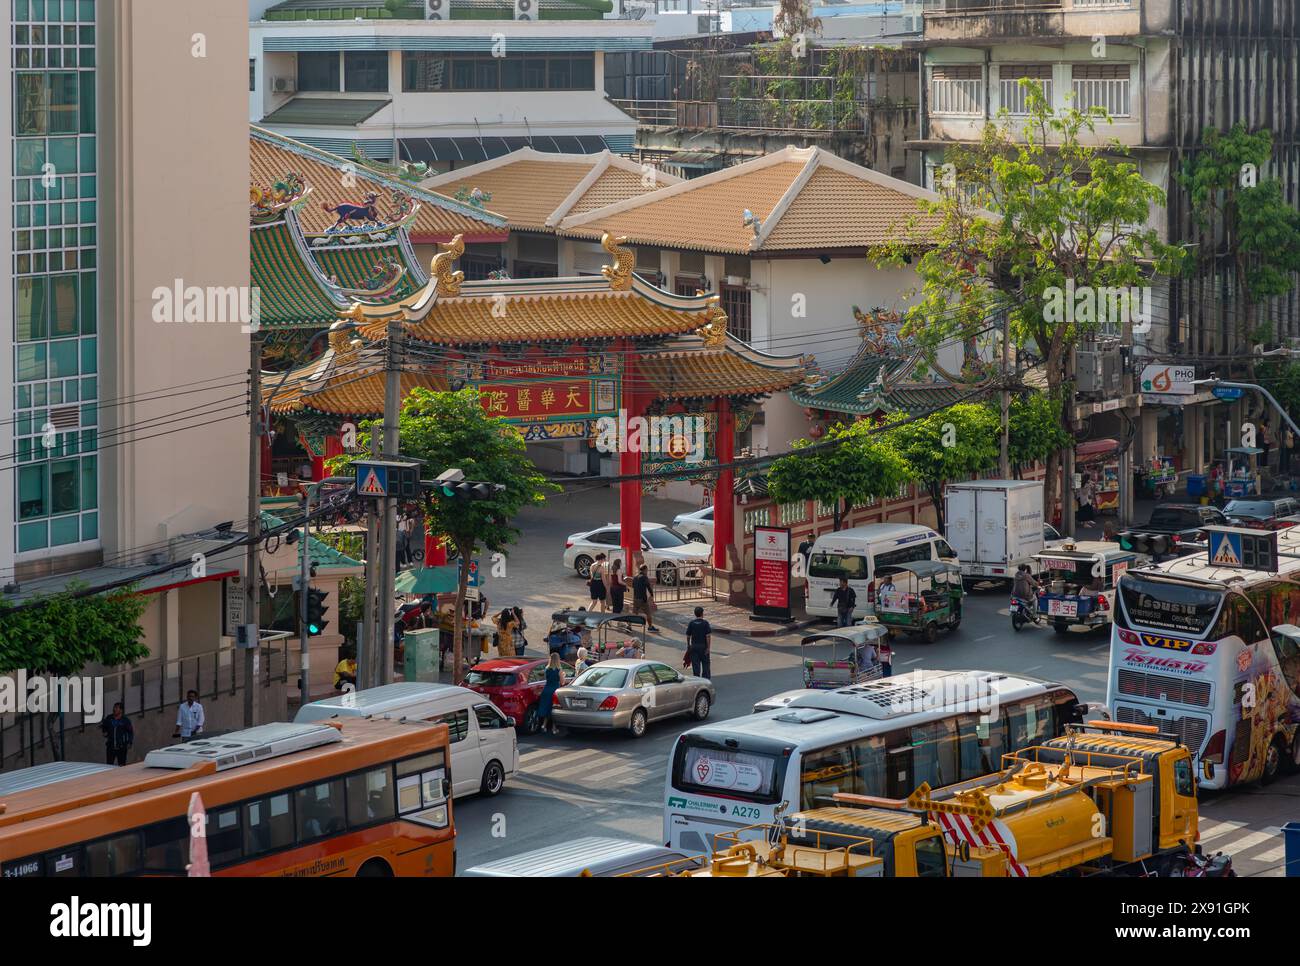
(686, 582)
(152, 686)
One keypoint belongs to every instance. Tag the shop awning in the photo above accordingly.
(695, 159)
(325, 112)
(1094, 446)
(430, 150)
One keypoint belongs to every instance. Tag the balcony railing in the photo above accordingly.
(1110, 94)
(694, 115)
(1014, 96)
(1021, 6)
(754, 112)
(781, 102)
(960, 97)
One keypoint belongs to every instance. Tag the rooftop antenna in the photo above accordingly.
(478, 133)
(529, 128)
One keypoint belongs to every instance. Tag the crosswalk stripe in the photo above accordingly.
(541, 753)
(1235, 846)
(604, 774)
(567, 757)
(1217, 829)
(591, 766)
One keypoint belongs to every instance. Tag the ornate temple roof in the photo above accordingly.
(336, 180)
(875, 381)
(535, 190)
(801, 199)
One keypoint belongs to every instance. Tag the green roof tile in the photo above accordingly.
(326, 111)
(290, 295)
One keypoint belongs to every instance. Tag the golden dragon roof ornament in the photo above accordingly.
(448, 282)
(714, 329)
(620, 273)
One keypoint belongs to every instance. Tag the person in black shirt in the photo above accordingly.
(119, 735)
(698, 639)
(643, 598)
(845, 600)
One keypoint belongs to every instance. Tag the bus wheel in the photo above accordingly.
(375, 869)
(494, 779)
(1273, 761)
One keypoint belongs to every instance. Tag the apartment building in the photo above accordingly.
(444, 87)
(127, 444)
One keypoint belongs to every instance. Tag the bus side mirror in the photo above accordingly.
(1079, 713)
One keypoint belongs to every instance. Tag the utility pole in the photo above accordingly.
(1004, 456)
(371, 639)
(304, 584)
(252, 569)
(388, 545)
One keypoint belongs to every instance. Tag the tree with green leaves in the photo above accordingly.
(1031, 223)
(956, 443)
(1036, 431)
(60, 635)
(860, 466)
(451, 430)
(1260, 231)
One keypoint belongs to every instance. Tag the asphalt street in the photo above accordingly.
(612, 784)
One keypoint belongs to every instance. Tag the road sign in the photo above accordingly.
(1227, 393)
(372, 480)
(380, 479)
(1241, 548)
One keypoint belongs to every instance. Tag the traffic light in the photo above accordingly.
(1155, 544)
(408, 483)
(453, 485)
(316, 622)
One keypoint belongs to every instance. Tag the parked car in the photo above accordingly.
(666, 552)
(628, 693)
(513, 684)
(698, 526)
(1261, 514)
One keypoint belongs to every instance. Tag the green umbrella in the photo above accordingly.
(427, 580)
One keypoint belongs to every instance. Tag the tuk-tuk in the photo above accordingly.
(926, 598)
(572, 629)
(1079, 582)
(844, 656)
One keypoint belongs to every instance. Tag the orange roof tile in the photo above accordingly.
(355, 394)
(614, 185)
(271, 156)
(706, 215)
(835, 209)
(707, 373)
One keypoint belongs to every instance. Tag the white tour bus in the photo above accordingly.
(883, 737)
(1192, 651)
(859, 553)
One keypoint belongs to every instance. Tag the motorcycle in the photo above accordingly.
(1024, 612)
(1197, 865)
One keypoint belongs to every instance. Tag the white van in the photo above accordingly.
(484, 751)
(859, 553)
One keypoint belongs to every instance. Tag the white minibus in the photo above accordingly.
(884, 737)
(859, 553)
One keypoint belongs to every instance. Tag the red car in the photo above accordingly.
(513, 684)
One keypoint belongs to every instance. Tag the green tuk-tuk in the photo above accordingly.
(920, 598)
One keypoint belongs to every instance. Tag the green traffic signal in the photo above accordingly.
(316, 609)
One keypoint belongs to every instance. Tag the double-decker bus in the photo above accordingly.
(367, 797)
(1193, 651)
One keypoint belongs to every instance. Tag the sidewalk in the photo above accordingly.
(727, 619)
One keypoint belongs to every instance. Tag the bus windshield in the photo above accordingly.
(1164, 605)
(852, 566)
(700, 765)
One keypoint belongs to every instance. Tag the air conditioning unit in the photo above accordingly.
(525, 9)
(284, 85)
(437, 9)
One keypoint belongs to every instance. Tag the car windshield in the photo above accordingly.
(1171, 516)
(602, 677)
(662, 538)
(489, 679)
(1256, 509)
(1050, 532)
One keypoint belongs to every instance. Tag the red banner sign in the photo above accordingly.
(537, 400)
(772, 572)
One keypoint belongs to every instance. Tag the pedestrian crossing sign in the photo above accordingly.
(1225, 549)
(372, 481)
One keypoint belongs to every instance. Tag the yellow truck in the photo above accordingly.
(1104, 798)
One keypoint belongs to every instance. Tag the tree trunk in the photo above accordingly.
(458, 634)
(835, 515)
(936, 497)
(1052, 482)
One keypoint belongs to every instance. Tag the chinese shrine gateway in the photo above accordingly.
(552, 356)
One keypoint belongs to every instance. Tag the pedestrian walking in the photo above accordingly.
(698, 639)
(1087, 499)
(554, 681)
(643, 597)
(189, 718)
(885, 654)
(1265, 442)
(596, 583)
(119, 735)
(617, 588)
(507, 624)
(844, 599)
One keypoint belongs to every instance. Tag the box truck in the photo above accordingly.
(994, 525)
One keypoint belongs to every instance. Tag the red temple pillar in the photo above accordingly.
(333, 447)
(629, 463)
(724, 496)
(435, 551)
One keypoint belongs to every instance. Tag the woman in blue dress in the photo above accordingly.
(554, 681)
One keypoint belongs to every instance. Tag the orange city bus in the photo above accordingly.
(365, 797)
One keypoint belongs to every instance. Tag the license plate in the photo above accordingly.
(1063, 608)
(579, 703)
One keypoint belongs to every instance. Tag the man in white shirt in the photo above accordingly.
(189, 719)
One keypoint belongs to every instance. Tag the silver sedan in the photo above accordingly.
(630, 693)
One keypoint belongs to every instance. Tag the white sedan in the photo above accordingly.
(697, 525)
(666, 552)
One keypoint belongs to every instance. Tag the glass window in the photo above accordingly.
(318, 71)
(943, 550)
(902, 555)
(982, 742)
(664, 674)
(1028, 723)
(837, 565)
(63, 306)
(457, 723)
(584, 73)
(930, 860)
(489, 717)
(512, 74)
(423, 763)
(823, 773)
(63, 486)
(119, 855)
(32, 309)
(934, 753)
(370, 796)
(63, 358)
(319, 809)
(559, 74)
(363, 70)
(534, 73)
(225, 840)
(645, 678)
(268, 824)
(1183, 784)
(423, 71)
(33, 495)
(487, 75)
(252, 74)
(167, 846)
(603, 677)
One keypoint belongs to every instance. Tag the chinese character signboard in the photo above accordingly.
(544, 390)
(772, 572)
